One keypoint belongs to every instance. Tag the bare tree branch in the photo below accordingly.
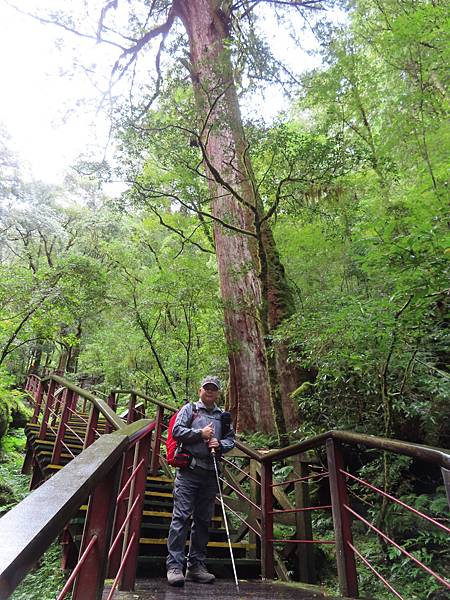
(143, 41)
(63, 26)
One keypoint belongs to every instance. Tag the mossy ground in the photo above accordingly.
(13, 485)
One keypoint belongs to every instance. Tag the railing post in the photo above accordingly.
(129, 574)
(38, 401)
(74, 402)
(65, 413)
(91, 427)
(90, 580)
(121, 511)
(345, 558)
(446, 478)
(305, 556)
(131, 408)
(156, 447)
(47, 408)
(57, 404)
(112, 403)
(255, 493)
(267, 564)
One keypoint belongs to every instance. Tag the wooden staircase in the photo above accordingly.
(156, 514)
(129, 487)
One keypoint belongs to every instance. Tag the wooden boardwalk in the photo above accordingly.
(222, 589)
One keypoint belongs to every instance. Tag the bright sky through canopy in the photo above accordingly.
(49, 110)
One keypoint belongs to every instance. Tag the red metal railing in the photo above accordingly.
(60, 415)
(69, 583)
(342, 511)
(259, 517)
(256, 495)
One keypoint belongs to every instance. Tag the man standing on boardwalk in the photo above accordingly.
(201, 429)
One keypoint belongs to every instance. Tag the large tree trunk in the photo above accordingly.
(253, 287)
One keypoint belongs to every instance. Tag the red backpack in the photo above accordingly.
(174, 458)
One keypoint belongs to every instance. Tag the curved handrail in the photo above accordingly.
(271, 496)
(33, 524)
(436, 456)
(100, 404)
(145, 397)
(249, 451)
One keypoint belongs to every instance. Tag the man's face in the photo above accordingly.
(209, 394)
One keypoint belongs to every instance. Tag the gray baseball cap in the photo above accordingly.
(211, 379)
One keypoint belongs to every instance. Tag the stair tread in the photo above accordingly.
(162, 513)
(156, 514)
(159, 494)
(163, 541)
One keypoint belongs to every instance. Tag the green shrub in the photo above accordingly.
(45, 581)
(13, 485)
(13, 411)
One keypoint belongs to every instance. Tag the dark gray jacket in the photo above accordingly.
(187, 431)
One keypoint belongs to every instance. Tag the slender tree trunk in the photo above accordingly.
(253, 287)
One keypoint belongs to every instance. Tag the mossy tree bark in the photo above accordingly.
(254, 290)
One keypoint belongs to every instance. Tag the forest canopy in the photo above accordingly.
(304, 260)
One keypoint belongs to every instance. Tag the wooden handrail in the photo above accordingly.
(102, 406)
(427, 453)
(436, 456)
(249, 451)
(169, 407)
(62, 507)
(33, 524)
(137, 430)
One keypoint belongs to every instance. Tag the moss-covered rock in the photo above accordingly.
(4, 416)
(13, 411)
(20, 414)
(6, 494)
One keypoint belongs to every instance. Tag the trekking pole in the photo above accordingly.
(213, 452)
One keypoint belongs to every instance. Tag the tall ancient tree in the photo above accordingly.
(255, 294)
(254, 290)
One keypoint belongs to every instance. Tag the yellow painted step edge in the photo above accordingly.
(161, 513)
(163, 541)
(52, 443)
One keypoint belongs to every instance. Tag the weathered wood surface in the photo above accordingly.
(30, 527)
(222, 589)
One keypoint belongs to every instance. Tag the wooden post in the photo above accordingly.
(128, 577)
(112, 403)
(47, 408)
(57, 404)
(90, 580)
(446, 478)
(303, 527)
(156, 446)
(267, 563)
(345, 558)
(121, 511)
(255, 494)
(38, 402)
(131, 408)
(65, 414)
(91, 427)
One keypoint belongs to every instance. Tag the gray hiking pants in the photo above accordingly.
(193, 495)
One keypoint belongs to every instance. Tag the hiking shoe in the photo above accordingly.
(199, 574)
(175, 577)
